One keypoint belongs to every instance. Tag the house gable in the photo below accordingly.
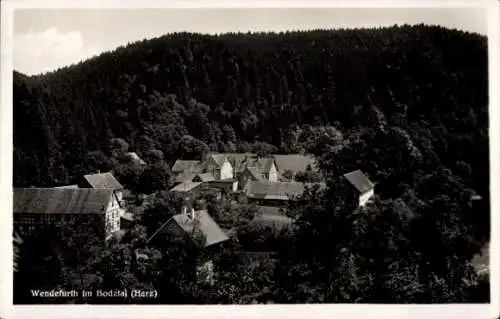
(226, 171)
(102, 180)
(182, 225)
(273, 172)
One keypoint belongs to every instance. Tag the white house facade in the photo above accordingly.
(226, 170)
(273, 173)
(365, 197)
(113, 214)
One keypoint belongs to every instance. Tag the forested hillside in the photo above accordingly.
(185, 93)
(406, 105)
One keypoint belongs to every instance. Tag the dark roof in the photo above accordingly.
(184, 177)
(204, 177)
(218, 158)
(186, 166)
(240, 161)
(185, 186)
(294, 162)
(264, 163)
(103, 180)
(255, 172)
(359, 180)
(212, 233)
(61, 200)
(273, 190)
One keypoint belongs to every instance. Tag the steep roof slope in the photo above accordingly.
(61, 200)
(294, 162)
(359, 180)
(186, 166)
(103, 180)
(212, 233)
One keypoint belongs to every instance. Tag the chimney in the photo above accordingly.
(98, 171)
(186, 204)
(192, 214)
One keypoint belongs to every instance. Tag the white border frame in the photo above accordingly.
(276, 311)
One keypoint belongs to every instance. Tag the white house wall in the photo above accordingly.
(226, 171)
(273, 173)
(113, 214)
(364, 198)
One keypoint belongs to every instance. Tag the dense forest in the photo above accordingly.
(407, 105)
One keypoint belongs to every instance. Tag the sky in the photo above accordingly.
(46, 39)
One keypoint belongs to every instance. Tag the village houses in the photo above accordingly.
(260, 179)
(241, 167)
(257, 179)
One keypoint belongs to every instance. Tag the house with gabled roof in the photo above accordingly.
(219, 166)
(294, 163)
(103, 181)
(239, 161)
(199, 231)
(231, 165)
(267, 167)
(221, 170)
(190, 223)
(249, 174)
(361, 185)
(38, 207)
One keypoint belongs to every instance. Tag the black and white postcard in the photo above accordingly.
(272, 159)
